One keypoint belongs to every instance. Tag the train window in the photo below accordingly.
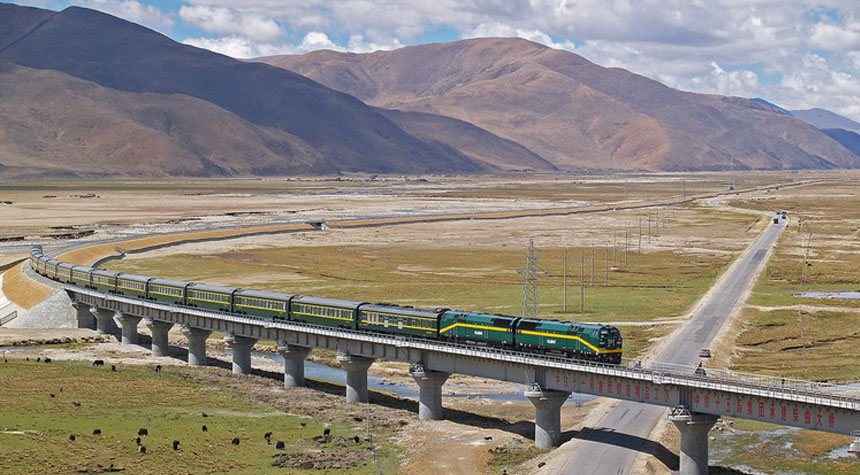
(162, 289)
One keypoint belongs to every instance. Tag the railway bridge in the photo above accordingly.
(696, 400)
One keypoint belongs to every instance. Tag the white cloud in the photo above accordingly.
(832, 37)
(238, 46)
(225, 20)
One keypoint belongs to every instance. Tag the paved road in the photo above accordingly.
(612, 446)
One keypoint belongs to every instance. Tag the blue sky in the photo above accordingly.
(797, 54)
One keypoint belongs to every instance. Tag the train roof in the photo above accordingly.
(576, 325)
(263, 294)
(168, 282)
(327, 302)
(134, 277)
(414, 312)
(211, 288)
(481, 314)
(105, 272)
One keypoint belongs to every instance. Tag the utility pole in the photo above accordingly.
(564, 280)
(802, 290)
(368, 436)
(614, 249)
(592, 266)
(606, 266)
(626, 246)
(640, 236)
(684, 188)
(582, 282)
(649, 228)
(626, 185)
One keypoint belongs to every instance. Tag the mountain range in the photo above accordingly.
(87, 94)
(571, 111)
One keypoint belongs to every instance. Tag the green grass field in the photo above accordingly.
(657, 285)
(36, 427)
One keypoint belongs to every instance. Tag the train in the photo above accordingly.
(595, 342)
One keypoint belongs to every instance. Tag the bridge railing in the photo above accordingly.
(769, 381)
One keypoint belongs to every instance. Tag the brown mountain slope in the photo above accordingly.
(474, 142)
(115, 54)
(571, 111)
(52, 124)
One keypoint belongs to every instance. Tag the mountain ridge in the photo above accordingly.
(572, 112)
(89, 94)
(825, 119)
(335, 131)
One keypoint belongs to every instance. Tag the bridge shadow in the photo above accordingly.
(523, 428)
(632, 442)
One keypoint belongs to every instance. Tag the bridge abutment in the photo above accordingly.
(429, 392)
(196, 344)
(104, 321)
(356, 376)
(241, 347)
(129, 327)
(159, 332)
(547, 415)
(83, 316)
(294, 363)
(694, 427)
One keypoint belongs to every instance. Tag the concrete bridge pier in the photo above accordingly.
(84, 317)
(547, 415)
(854, 448)
(429, 392)
(241, 347)
(104, 321)
(129, 327)
(356, 376)
(159, 331)
(196, 344)
(294, 363)
(694, 427)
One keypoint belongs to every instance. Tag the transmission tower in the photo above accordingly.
(530, 282)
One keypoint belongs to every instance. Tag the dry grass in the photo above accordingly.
(88, 255)
(828, 349)
(22, 290)
(820, 345)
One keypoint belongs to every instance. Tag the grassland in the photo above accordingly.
(481, 280)
(807, 338)
(774, 449)
(472, 264)
(820, 346)
(170, 405)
